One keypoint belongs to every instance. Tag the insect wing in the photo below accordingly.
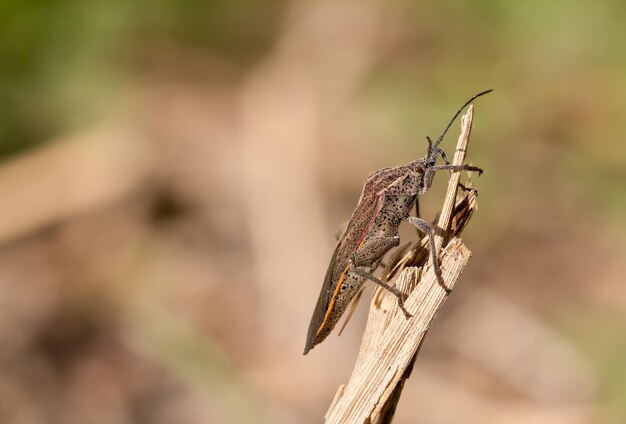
(354, 233)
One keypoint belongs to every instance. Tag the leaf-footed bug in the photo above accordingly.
(386, 199)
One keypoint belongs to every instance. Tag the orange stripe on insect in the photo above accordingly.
(332, 302)
(335, 294)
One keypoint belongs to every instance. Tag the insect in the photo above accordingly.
(386, 199)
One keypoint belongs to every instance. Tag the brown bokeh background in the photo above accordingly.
(172, 173)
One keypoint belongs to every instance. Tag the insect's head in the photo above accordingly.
(433, 148)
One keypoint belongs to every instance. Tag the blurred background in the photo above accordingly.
(171, 173)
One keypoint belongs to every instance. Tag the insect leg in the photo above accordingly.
(418, 214)
(363, 274)
(425, 227)
(373, 249)
(430, 173)
(456, 168)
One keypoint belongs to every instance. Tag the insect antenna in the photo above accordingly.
(433, 149)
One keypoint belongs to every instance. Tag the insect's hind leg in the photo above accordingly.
(363, 274)
(373, 249)
(425, 227)
(370, 254)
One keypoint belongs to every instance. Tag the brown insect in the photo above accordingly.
(386, 199)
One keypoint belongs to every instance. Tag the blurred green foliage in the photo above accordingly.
(62, 60)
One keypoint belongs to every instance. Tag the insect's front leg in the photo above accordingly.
(430, 173)
(426, 228)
